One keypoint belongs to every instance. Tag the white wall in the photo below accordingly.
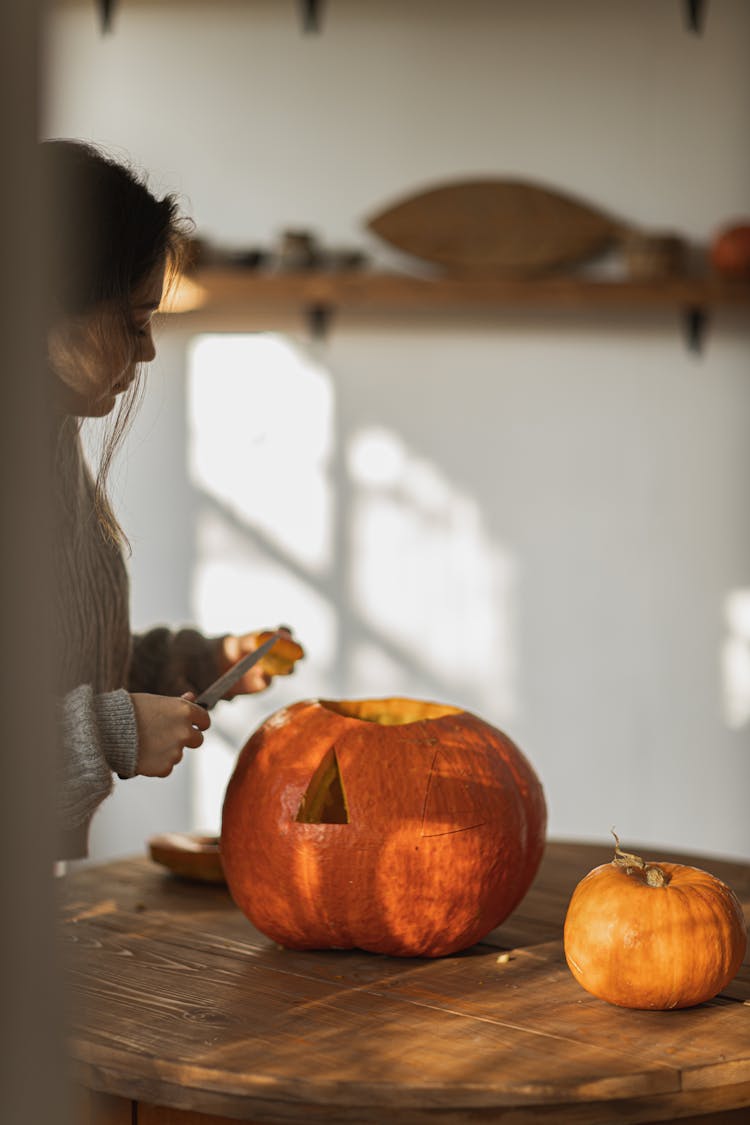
(597, 468)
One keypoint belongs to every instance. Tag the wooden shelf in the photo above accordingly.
(214, 293)
(231, 289)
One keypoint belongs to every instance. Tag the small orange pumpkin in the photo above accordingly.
(645, 935)
(730, 252)
(392, 825)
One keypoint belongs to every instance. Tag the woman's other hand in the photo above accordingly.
(279, 661)
(166, 725)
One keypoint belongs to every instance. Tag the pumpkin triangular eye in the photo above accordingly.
(324, 801)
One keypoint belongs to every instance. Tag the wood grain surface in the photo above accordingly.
(180, 1003)
(236, 298)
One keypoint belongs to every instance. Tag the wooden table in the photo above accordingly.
(186, 1015)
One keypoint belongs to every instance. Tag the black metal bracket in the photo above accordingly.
(310, 10)
(694, 15)
(106, 12)
(696, 323)
(319, 319)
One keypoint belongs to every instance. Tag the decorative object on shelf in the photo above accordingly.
(300, 251)
(202, 253)
(393, 825)
(297, 250)
(730, 251)
(247, 258)
(346, 259)
(653, 257)
(497, 227)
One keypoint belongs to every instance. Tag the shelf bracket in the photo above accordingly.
(106, 12)
(694, 14)
(310, 10)
(696, 322)
(319, 319)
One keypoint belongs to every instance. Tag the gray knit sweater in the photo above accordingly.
(100, 662)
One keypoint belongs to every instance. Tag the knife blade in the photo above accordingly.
(218, 689)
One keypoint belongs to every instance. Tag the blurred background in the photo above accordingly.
(536, 513)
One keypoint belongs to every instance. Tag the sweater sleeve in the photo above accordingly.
(99, 736)
(170, 663)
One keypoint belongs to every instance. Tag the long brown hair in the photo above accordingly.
(107, 232)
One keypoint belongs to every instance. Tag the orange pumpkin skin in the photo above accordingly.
(446, 828)
(657, 947)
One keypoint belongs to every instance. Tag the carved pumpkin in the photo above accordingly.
(644, 935)
(391, 825)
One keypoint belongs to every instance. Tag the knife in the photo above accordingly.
(220, 687)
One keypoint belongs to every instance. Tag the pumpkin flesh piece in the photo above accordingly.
(281, 658)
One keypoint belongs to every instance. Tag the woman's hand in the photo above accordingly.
(257, 678)
(166, 725)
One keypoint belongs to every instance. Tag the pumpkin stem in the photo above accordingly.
(654, 875)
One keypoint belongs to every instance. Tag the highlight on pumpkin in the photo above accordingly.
(389, 712)
(324, 801)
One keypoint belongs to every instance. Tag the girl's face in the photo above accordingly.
(95, 357)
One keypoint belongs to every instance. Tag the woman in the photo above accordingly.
(127, 703)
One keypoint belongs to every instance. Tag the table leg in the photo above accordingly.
(93, 1108)
(162, 1115)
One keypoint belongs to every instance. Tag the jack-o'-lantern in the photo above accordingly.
(392, 825)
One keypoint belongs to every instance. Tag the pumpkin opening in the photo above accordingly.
(389, 712)
(324, 801)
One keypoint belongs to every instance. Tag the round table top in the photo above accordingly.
(178, 1001)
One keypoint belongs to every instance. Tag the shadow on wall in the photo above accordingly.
(382, 566)
(536, 573)
(536, 549)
